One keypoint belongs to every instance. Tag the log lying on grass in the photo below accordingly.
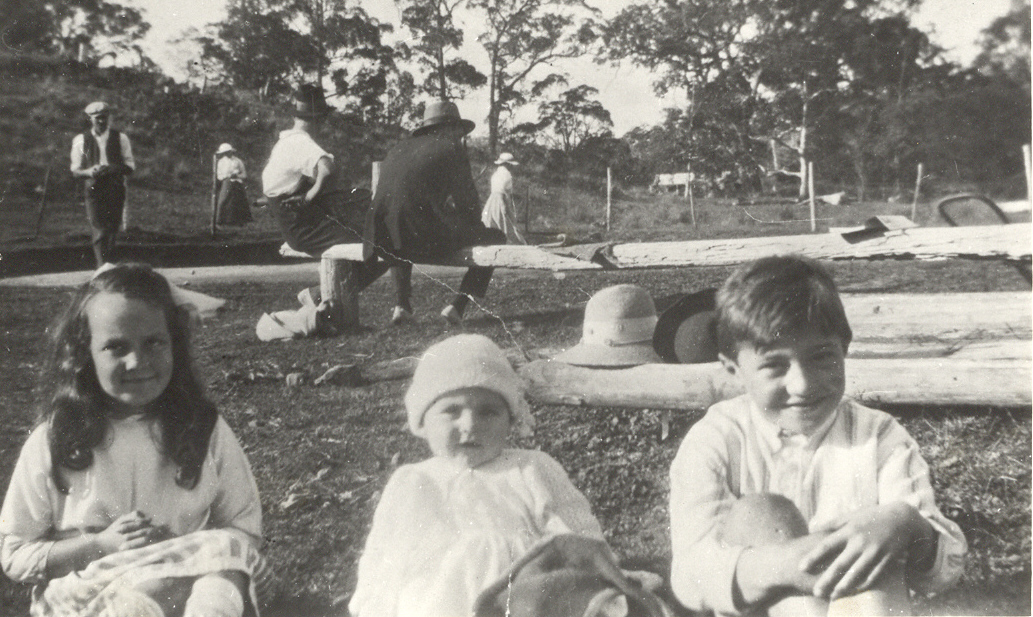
(1004, 383)
(1002, 242)
(946, 317)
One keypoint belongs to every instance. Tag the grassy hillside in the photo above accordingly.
(175, 130)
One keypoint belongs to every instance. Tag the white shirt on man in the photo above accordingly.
(293, 158)
(79, 159)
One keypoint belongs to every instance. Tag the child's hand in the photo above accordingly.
(159, 533)
(128, 531)
(861, 547)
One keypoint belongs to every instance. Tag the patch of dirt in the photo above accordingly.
(322, 454)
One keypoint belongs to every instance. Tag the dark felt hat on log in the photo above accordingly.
(686, 333)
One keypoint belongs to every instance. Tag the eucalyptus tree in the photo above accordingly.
(270, 45)
(569, 120)
(435, 45)
(85, 29)
(753, 70)
(522, 39)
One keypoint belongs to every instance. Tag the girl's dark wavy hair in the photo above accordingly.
(76, 407)
(774, 298)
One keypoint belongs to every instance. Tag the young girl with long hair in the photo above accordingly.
(132, 496)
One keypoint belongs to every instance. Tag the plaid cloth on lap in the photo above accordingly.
(107, 587)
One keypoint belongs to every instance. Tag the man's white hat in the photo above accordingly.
(97, 108)
(224, 148)
(506, 159)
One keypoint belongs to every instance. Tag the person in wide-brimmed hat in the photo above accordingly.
(103, 157)
(310, 196)
(231, 204)
(425, 209)
(617, 331)
(498, 211)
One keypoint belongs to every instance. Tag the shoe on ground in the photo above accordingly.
(452, 315)
(306, 299)
(400, 316)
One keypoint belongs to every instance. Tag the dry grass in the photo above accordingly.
(343, 443)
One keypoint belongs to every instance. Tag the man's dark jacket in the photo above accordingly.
(426, 205)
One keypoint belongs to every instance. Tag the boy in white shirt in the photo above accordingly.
(791, 499)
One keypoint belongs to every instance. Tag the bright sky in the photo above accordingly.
(625, 91)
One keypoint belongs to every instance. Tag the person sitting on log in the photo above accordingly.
(309, 195)
(791, 499)
(425, 209)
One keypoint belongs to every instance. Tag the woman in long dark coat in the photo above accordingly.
(425, 208)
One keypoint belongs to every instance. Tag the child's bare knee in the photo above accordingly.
(762, 518)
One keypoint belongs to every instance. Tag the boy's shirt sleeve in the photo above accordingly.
(904, 476)
(26, 519)
(702, 569)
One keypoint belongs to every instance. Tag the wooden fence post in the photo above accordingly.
(215, 191)
(810, 191)
(1029, 173)
(42, 203)
(918, 190)
(609, 190)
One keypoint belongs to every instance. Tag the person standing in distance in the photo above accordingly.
(499, 212)
(103, 158)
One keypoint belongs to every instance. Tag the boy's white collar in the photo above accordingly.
(776, 437)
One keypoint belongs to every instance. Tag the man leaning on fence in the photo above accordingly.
(103, 158)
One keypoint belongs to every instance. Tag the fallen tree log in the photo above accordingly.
(944, 381)
(1000, 242)
(1004, 242)
(946, 317)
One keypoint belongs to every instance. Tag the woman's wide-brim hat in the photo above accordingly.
(310, 102)
(618, 329)
(439, 113)
(225, 149)
(686, 332)
(506, 159)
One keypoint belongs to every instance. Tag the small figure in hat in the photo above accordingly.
(103, 157)
(231, 205)
(425, 209)
(618, 330)
(448, 527)
(499, 210)
(310, 196)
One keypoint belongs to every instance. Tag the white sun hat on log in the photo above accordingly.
(618, 329)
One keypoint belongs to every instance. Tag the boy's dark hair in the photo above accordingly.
(75, 405)
(772, 298)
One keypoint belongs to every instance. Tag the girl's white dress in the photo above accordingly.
(128, 473)
(498, 211)
(442, 533)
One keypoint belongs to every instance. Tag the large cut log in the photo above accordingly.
(1002, 242)
(944, 381)
(930, 318)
